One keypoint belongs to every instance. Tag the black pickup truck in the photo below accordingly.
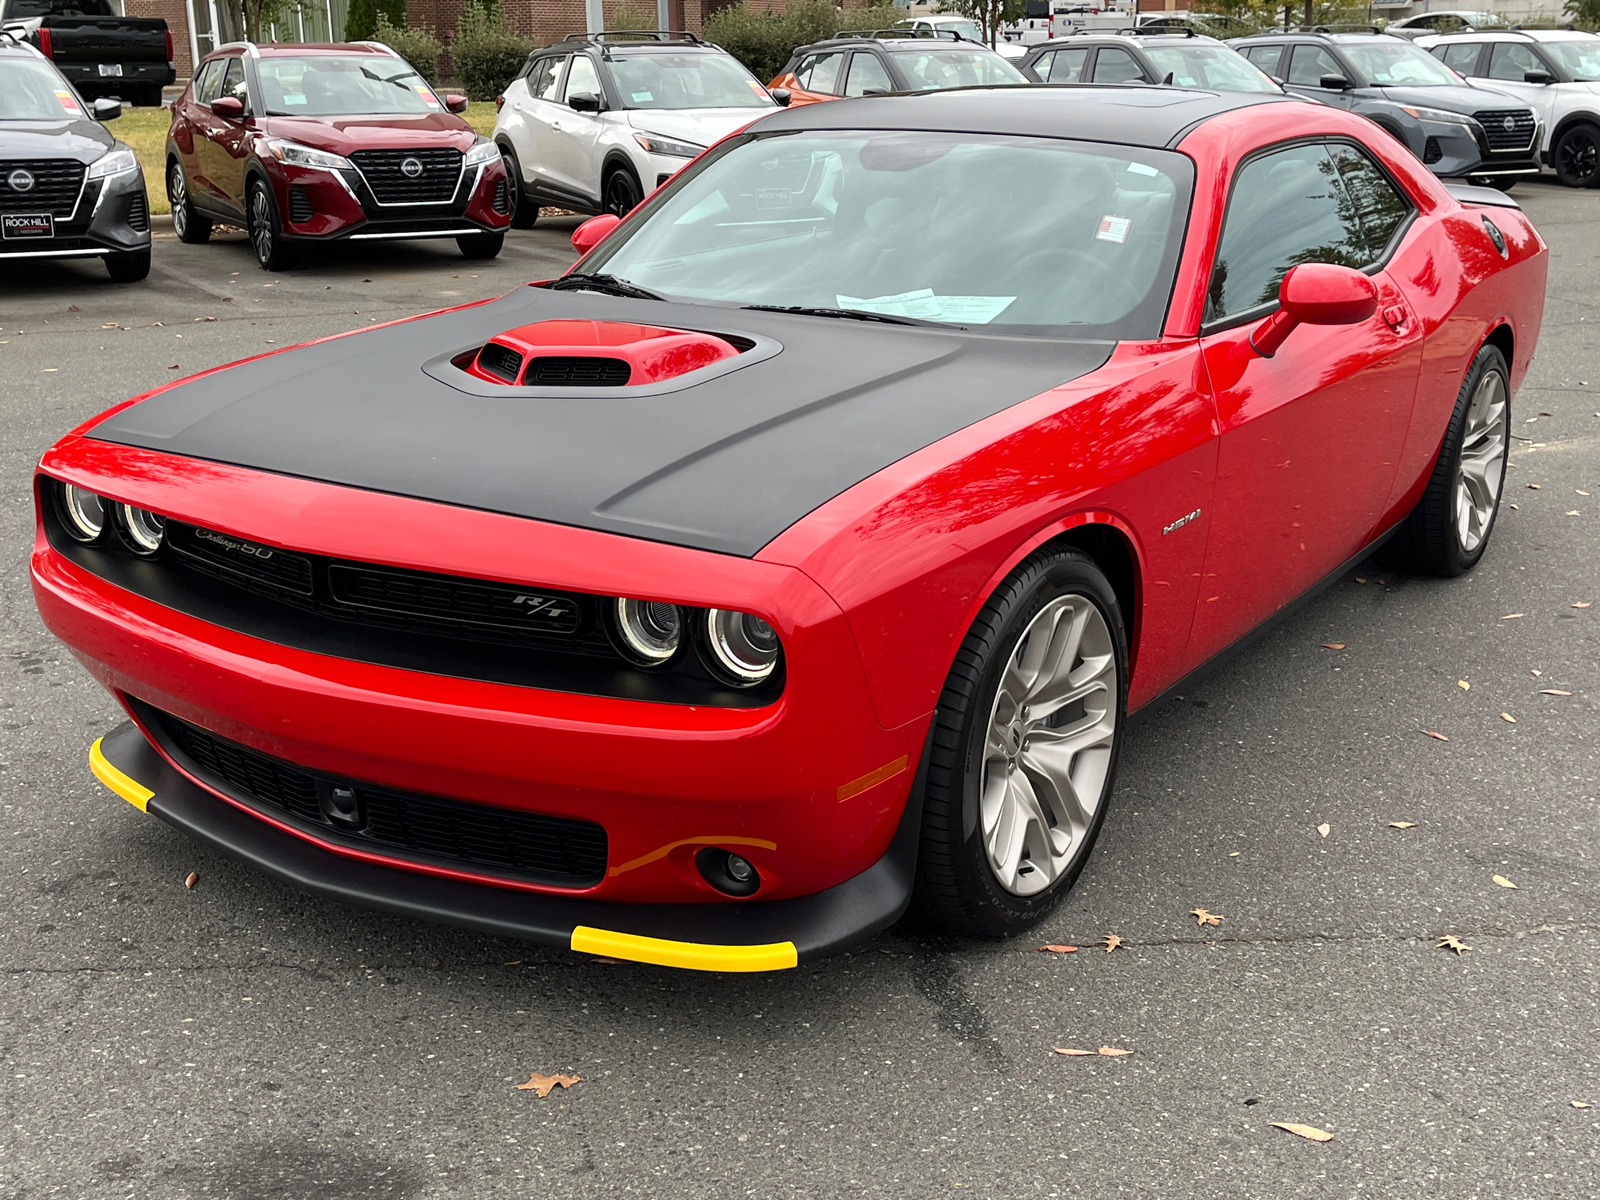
(101, 53)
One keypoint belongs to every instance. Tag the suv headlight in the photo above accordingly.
(1439, 116)
(297, 155)
(482, 153)
(654, 143)
(113, 162)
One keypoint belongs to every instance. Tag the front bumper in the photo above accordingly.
(318, 206)
(725, 937)
(112, 216)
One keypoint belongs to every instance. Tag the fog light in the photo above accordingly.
(143, 530)
(650, 631)
(730, 873)
(82, 512)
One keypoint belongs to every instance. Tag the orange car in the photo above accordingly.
(873, 63)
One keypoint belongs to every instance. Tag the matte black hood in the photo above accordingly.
(724, 458)
(1454, 98)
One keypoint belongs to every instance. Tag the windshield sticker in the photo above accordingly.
(973, 310)
(1142, 169)
(773, 197)
(427, 94)
(290, 99)
(756, 87)
(923, 305)
(1114, 229)
(70, 103)
(643, 97)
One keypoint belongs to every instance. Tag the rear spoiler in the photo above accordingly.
(1482, 196)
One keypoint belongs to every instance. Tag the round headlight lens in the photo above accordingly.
(651, 631)
(82, 512)
(744, 648)
(144, 530)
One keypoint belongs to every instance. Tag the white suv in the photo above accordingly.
(1557, 71)
(597, 122)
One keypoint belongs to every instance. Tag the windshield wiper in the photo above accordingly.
(610, 284)
(850, 314)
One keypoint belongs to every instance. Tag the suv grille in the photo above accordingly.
(1520, 134)
(384, 171)
(55, 188)
(499, 841)
(581, 372)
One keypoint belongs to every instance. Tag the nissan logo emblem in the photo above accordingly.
(20, 180)
(1509, 124)
(410, 168)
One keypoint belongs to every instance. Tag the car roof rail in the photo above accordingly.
(636, 35)
(1529, 26)
(1339, 28)
(892, 34)
(1158, 31)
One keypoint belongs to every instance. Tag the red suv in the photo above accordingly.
(303, 144)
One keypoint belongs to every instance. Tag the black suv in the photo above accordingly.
(1182, 58)
(890, 60)
(1459, 131)
(68, 189)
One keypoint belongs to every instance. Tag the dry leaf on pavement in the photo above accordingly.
(1324, 828)
(1310, 1132)
(193, 878)
(1502, 881)
(1534, 486)
(1059, 949)
(1512, 616)
(1554, 692)
(543, 1085)
(1451, 942)
(1113, 1052)
(1536, 671)
(1402, 824)
(1439, 737)
(1202, 917)
(1463, 685)
(1580, 1104)
(1582, 604)
(1111, 941)
(1508, 718)
(1333, 645)
(1072, 1053)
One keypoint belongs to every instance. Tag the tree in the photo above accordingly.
(990, 15)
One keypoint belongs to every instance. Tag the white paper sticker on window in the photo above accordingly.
(1114, 229)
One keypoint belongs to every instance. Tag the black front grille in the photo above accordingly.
(498, 841)
(138, 214)
(278, 571)
(580, 372)
(54, 187)
(433, 178)
(1431, 151)
(500, 361)
(458, 602)
(300, 210)
(1516, 137)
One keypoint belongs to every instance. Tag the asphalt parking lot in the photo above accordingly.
(242, 1040)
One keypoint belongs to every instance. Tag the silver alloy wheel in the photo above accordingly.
(178, 192)
(261, 223)
(1482, 465)
(1047, 753)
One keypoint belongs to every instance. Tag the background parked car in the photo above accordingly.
(1185, 58)
(890, 60)
(306, 144)
(1556, 71)
(597, 121)
(1457, 130)
(967, 29)
(68, 189)
(1444, 21)
(100, 51)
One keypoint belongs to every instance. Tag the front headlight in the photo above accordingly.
(297, 155)
(744, 648)
(654, 143)
(484, 152)
(1439, 116)
(82, 512)
(650, 631)
(144, 531)
(113, 162)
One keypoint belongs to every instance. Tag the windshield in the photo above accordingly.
(935, 69)
(1581, 60)
(20, 10)
(342, 85)
(1031, 234)
(1393, 63)
(1209, 67)
(31, 91)
(655, 80)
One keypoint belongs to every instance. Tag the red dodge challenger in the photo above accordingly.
(801, 554)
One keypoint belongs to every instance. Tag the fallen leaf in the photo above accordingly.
(1512, 616)
(1113, 1052)
(199, 319)
(1451, 942)
(1580, 491)
(1233, 854)
(1554, 692)
(516, 962)
(1502, 881)
(1439, 737)
(543, 1085)
(1202, 917)
(1073, 1053)
(1536, 671)
(1310, 1132)
(1324, 828)
(1059, 949)
(1572, 512)
(1111, 941)
(110, 325)
(1508, 718)
(1582, 604)
(1402, 824)
(1360, 579)
(1580, 1104)
(1463, 685)
(1333, 645)
(173, 367)
(1534, 486)
(193, 878)
(73, 308)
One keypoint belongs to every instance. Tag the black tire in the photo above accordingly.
(622, 193)
(128, 268)
(188, 224)
(1504, 183)
(1430, 542)
(524, 212)
(481, 245)
(148, 96)
(266, 230)
(956, 889)
(1576, 156)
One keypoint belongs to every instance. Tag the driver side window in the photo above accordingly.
(233, 83)
(209, 80)
(1510, 61)
(1310, 64)
(582, 77)
(866, 72)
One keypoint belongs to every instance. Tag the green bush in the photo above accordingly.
(362, 21)
(625, 16)
(417, 46)
(487, 53)
(764, 41)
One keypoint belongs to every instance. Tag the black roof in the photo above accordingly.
(893, 44)
(1129, 116)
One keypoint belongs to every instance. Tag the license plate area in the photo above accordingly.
(17, 226)
(110, 70)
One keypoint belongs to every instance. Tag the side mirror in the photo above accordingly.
(105, 110)
(782, 96)
(458, 104)
(1316, 294)
(1334, 83)
(875, 92)
(229, 107)
(593, 231)
(1538, 77)
(583, 102)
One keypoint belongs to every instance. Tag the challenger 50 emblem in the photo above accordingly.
(228, 543)
(1180, 522)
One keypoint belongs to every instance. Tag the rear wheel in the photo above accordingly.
(1576, 156)
(524, 212)
(1024, 750)
(189, 225)
(266, 232)
(481, 245)
(622, 192)
(128, 268)
(147, 96)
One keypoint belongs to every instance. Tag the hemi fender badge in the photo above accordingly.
(1180, 522)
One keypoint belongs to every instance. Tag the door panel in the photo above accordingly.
(573, 157)
(227, 149)
(541, 111)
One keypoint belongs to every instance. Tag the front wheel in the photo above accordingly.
(481, 245)
(1576, 156)
(266, 233)
(188, 224)
(1025, 746)
(524, 211)
(128, 268)
(622, 193)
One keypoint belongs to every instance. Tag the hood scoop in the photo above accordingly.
(567, 353)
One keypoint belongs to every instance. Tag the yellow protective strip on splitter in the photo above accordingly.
(130, 789)
(688, 956)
